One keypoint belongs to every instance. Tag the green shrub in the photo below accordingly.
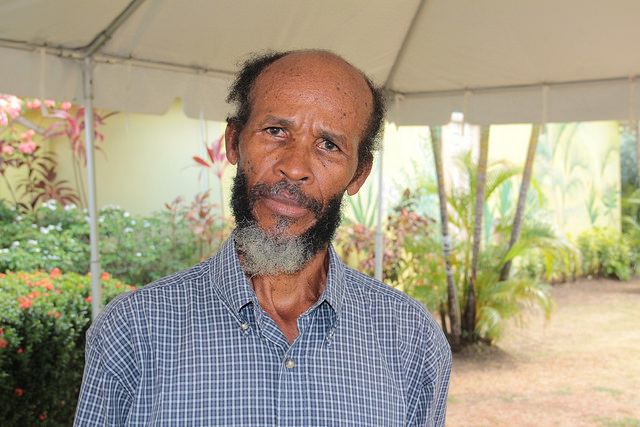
(135, 250)
(43, 321)
(605, 253)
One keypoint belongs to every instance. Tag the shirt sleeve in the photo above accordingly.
(439, 381)
(110, 373)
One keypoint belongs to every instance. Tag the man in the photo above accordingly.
(275, 329)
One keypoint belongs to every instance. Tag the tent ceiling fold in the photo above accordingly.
(496, 60)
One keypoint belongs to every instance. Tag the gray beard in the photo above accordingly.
(270, 255)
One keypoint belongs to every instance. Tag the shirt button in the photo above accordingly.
(289, 363)
(244, 326)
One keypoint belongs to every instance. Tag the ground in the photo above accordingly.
(579, 368)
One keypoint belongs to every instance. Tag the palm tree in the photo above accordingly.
(469, 319)
(452, 296)
(522, 197)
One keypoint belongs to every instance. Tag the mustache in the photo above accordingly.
(293, 192)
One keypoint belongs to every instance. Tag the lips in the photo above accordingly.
(284, 206)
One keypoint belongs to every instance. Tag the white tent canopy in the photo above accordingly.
(498, 61)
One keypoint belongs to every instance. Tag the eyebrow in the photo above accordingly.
(334, 137)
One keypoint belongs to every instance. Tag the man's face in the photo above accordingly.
(308, 115)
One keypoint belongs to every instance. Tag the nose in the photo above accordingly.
(295, 163)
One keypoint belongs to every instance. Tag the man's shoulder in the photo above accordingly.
(375, 290)
(163, 290)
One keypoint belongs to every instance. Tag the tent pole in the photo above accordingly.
(379, 243)
(96, 288)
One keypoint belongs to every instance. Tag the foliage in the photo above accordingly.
(21, 154)
(206, 219)
(605, 253)
(43, 321)
(628, 162)
(136, 250)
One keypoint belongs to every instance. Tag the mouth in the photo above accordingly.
(284, 206)
(285, 199)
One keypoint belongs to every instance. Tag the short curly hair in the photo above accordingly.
(240, 95)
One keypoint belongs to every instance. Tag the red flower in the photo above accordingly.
(19, 391)
(25, 302)
(20, 351)
(55, 273)
(42, 416)
(105, 276)
(88, 299)
(3, 343)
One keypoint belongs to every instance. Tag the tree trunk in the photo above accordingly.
(452, 296)
(522, 197)
(469, 318)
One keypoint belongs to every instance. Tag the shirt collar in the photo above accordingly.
(233, 287)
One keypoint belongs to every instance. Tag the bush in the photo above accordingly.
(135, 250)
(43, 321)
(605, 253)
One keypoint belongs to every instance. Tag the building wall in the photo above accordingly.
(146, 161)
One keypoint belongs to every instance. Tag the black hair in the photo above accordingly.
(240, 95)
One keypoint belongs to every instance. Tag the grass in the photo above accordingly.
(613, 391)
(625, 422)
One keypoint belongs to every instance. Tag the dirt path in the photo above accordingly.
(580, 368)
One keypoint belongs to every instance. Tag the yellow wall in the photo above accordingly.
(146, 161)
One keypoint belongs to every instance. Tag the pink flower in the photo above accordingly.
(49, 103)
(35, 104)
(3, 119)
(27, 147)
(65, 105)
(7, 149)
(26, 136)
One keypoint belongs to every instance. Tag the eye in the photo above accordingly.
(328, 145)
(275, 131)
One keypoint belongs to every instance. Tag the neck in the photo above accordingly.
(286, 296)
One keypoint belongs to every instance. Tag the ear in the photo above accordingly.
(230, 136)
(361, 176)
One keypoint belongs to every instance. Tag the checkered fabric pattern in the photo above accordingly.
(196, 349)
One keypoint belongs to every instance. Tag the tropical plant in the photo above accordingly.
(606, 252)
(71, 124)
(43, 321)
(522, 196)
(453, 307)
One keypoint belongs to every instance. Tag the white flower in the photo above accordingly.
(4, 251)
(32, 242)
(19, 218)
(14, 244)
(128, 230)
(36, 249)
(127, 214)
(70, 207)
(147, 224)
(133, 222)
(138, 254)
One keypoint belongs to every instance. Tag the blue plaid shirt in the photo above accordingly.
(196, 349)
